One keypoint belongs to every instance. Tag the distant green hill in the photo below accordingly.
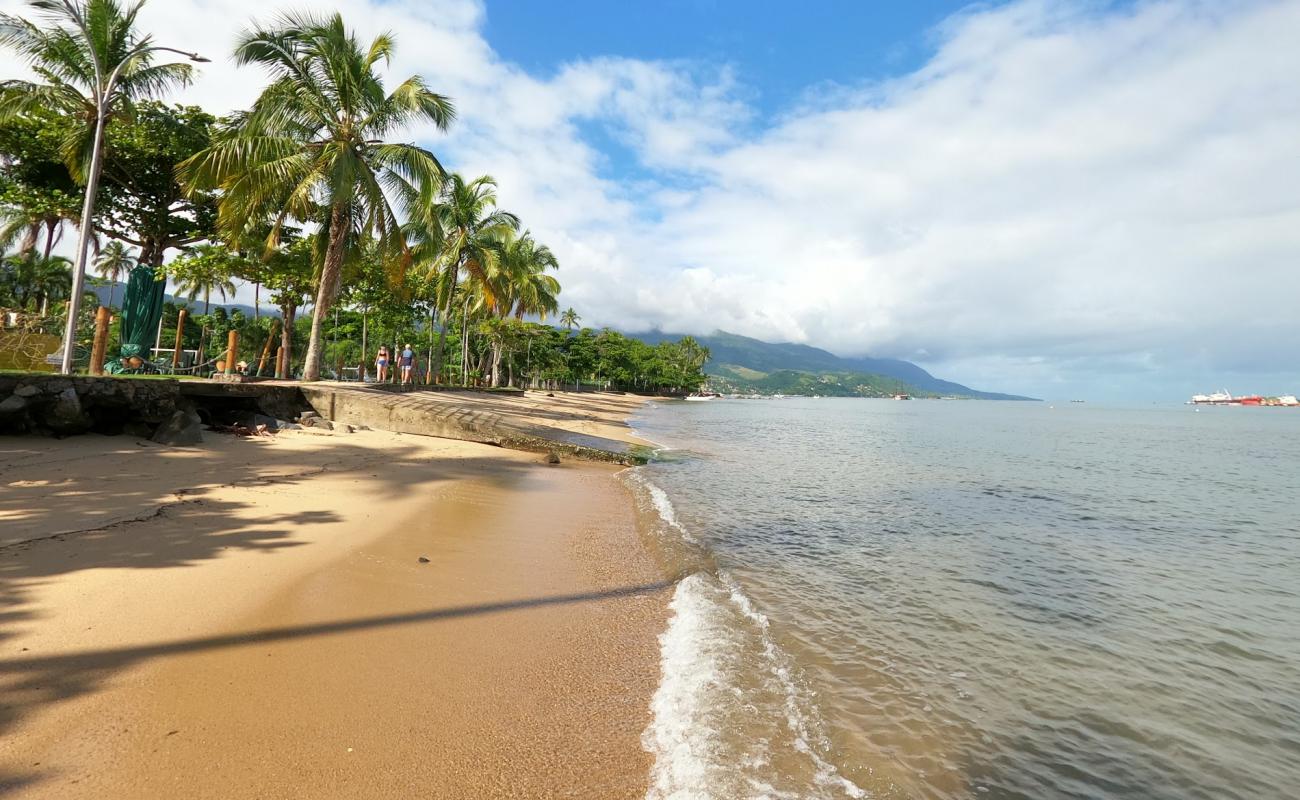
(750, 366)
(733, 379)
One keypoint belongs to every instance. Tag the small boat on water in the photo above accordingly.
(700, 397)
(902, 397)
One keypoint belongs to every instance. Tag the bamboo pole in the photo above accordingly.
(232, 348)
(180, 333)
(266, 351)
(101, 341)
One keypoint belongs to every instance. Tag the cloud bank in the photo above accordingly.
(1065, 195)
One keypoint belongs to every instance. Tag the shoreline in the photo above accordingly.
(237, 642)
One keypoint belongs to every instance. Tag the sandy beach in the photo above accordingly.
(307, 615)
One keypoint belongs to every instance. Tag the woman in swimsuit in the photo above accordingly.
(381, 364)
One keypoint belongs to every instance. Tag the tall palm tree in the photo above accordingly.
(525, 288)
(459, 233)
(114, 261)
(92, 64)
(312, 148)
(24, 226)
(570, 319)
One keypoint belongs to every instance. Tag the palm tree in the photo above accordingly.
(312, 148)
(460, 232)
(51, 280)
(206, 268)
(25, 225)
(102, 34)
(570, 319)
(30, 277)
(525, 288)
(114, 261)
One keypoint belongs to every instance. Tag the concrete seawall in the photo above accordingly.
(452, 416)
(63, 406)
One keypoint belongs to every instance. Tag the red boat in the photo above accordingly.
(1253, 400)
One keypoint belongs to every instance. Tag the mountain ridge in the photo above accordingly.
(730, 349)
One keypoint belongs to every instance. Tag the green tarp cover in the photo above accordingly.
(141, 310)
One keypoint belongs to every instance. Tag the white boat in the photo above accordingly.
(1218, 398)
(701, 397)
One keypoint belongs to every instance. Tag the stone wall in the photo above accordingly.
(63, 406)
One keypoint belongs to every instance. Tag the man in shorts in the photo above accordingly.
(408, 364)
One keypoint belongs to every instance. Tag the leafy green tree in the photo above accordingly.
(291, 279)
(570, 319)
(313, 147)
(143, 203)
(114, 261)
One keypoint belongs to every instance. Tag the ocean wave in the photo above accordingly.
(731, 717)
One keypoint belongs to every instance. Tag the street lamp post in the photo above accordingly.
(102, 93)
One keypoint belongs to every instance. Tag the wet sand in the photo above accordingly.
(260, 625)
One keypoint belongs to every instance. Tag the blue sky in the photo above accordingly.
(778, 49)
(1063, 198)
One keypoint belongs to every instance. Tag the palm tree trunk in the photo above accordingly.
(442, 342)
(464, 345)
(329, 277)
(285, 356)
(49, 239)
(257, 304)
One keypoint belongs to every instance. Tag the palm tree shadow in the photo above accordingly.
(27, 684)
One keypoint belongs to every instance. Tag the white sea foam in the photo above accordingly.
(729, 703)
(727, 699)
(659, 500)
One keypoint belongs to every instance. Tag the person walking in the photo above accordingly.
(381, 364)
(408, 364)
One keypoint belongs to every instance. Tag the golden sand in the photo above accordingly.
(252, 619)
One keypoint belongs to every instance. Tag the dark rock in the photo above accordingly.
(66, 415)
(180, 429)
(552, 457)
(27, 391)
(13, 405)
(424, 560)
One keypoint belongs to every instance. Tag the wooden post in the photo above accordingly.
(232, 349)
(266, 351)
(101, 341)
(180, 334)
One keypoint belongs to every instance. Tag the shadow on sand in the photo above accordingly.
(60, 518)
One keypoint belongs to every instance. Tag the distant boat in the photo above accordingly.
(1078, 401)
(700, 397)
(902, 397)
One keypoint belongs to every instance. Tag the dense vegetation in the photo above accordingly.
(354, 238)
(734, 379)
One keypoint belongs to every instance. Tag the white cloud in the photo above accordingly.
(1060, 193)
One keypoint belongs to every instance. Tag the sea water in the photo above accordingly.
(961, 599)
